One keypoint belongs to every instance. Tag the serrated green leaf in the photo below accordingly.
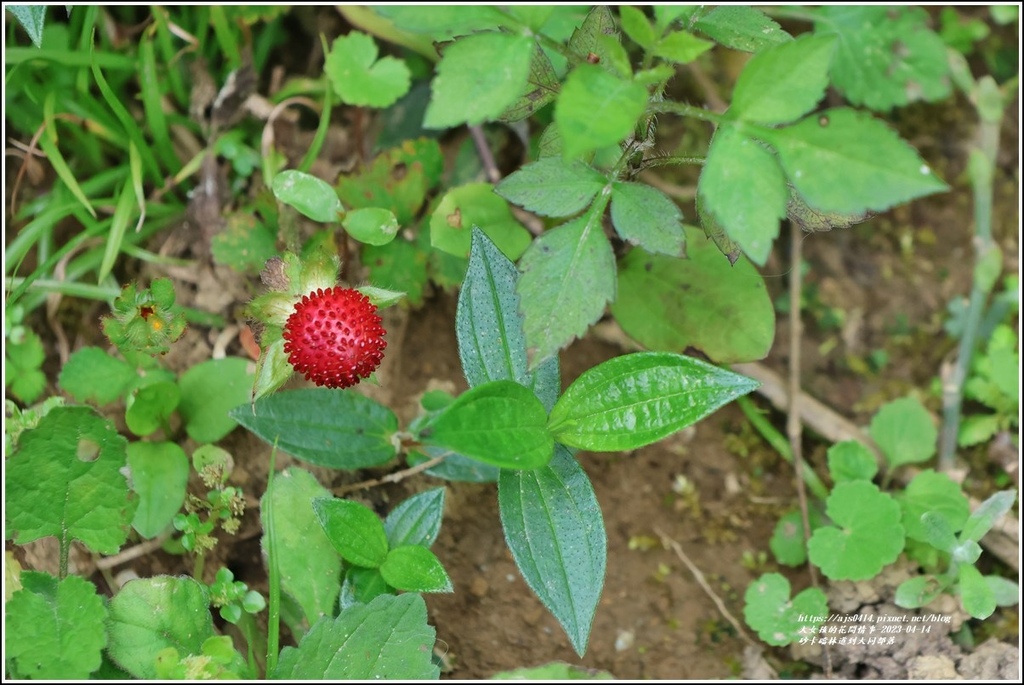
(55, 629)
(310, 568)
(681, 47)
(936, 493)
(552, 187)
(778, 619)
(977, 597)
(888, 57)
(586, 39)
(372, 225)
(67, 480)
(354, 530)
(742, 186)
(668, 304)
(568, 275)
(741, 28)
(869, 534)
(359, 78)
(92, 375)
(647, 217)
(478, 78)
(314, 198)
(412, 568)
(813, 220)
(637, 399)
(784, 82)
(361, 586)
(209, 391)
(499, 422)
(339, 429)
(398, 180)
(148, 408)
(636, 25)
(904, 431)
(988, 512)
(476, 205)
(160, 479)
(387, 638)
(918, 591)
(847, 161)
(554, 529)
(151, 614)
(489, 327)
(850, 460)
(542, 86)
(416, 520)
(596, 108)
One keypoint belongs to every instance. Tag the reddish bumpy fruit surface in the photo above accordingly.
(334, 337)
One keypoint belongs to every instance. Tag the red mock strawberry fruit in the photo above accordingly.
(334, 337)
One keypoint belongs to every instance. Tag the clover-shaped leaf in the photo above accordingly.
(359, 78)
(869, 533)
(778, 619)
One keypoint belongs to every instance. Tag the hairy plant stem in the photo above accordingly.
(681, 109)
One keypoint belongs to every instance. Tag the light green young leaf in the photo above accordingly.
(309, 566)
(596, 108)
(478, 78)
(148, 408)
(784, 82)
(647, 217)
(681, 47)
(412, 568)
(867, 535)
(552, 187)
(92, 375)
(568, 275)
(934, 529)
(918, 591)
(66, 480)
(778, 619)
(353, 529)
(637, 399)
(442, 22)
(32, 18)
(985, 516)
(359, 78)
(554, 529)
(160, 478)
(742, 187)
(666, 14)
(386, 639)
(150, 614)
(787, 542)
(361, 586)
(22, 363)
(499, 422)
(1005, 591)
(976, 595)
(372, 225)
(314, 198)
(416, 520)
(741, 28)
(489, 327)
(935, 493)
(55, 629)
(846, 161)
(726, 312)
(888, 55)
(904, 431)
(636, 25)
(850, 460)
(476, 205)
(337, 429)
(209, 391)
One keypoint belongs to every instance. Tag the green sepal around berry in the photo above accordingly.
(144, 320)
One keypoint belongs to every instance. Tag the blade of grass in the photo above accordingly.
(152, 97)
(118, 226)
(48, 144)
(83, 79)
(274, 591)
(135, 168)
(325, 123)
(168, 54)
(68, 58)
(86, 291)
(225, 36)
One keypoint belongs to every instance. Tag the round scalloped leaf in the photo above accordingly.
(904, 431)
(867, 536)
(778, 619)
(933, 492)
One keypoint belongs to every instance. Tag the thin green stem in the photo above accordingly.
(669, 161)
(682, 109)
(274, 591)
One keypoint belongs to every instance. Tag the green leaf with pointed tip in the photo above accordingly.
(151, 614)
(742, 186)
(309, 566)
(442, 22)
(568, 275)
(32, 18)
(681, 47)
(67, 480)
(889, 57)
(588, 37)
(542, 86)
(668, 304)
(636, 25)
(476, 205)
(478, 78)
(272, 369)
(160, 478)
(386, 639)
(489, 327)
(314, 198)
(92, 375)
(596, 108)
(849, 162)
(417, 520)
(904, 431)
(554, 529)
(777, 618)
(499, 422)
(637, 399)
(359, 78)
(340, 429)
(373, 225)
(988, 512)
(552, 187)
(814, 220)
(647, 217)
(715, 232)
(361, 586)
(353, 529)
(933, 493)
(784, 82)
(412, 568)
(742, 28)
(55, 629)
